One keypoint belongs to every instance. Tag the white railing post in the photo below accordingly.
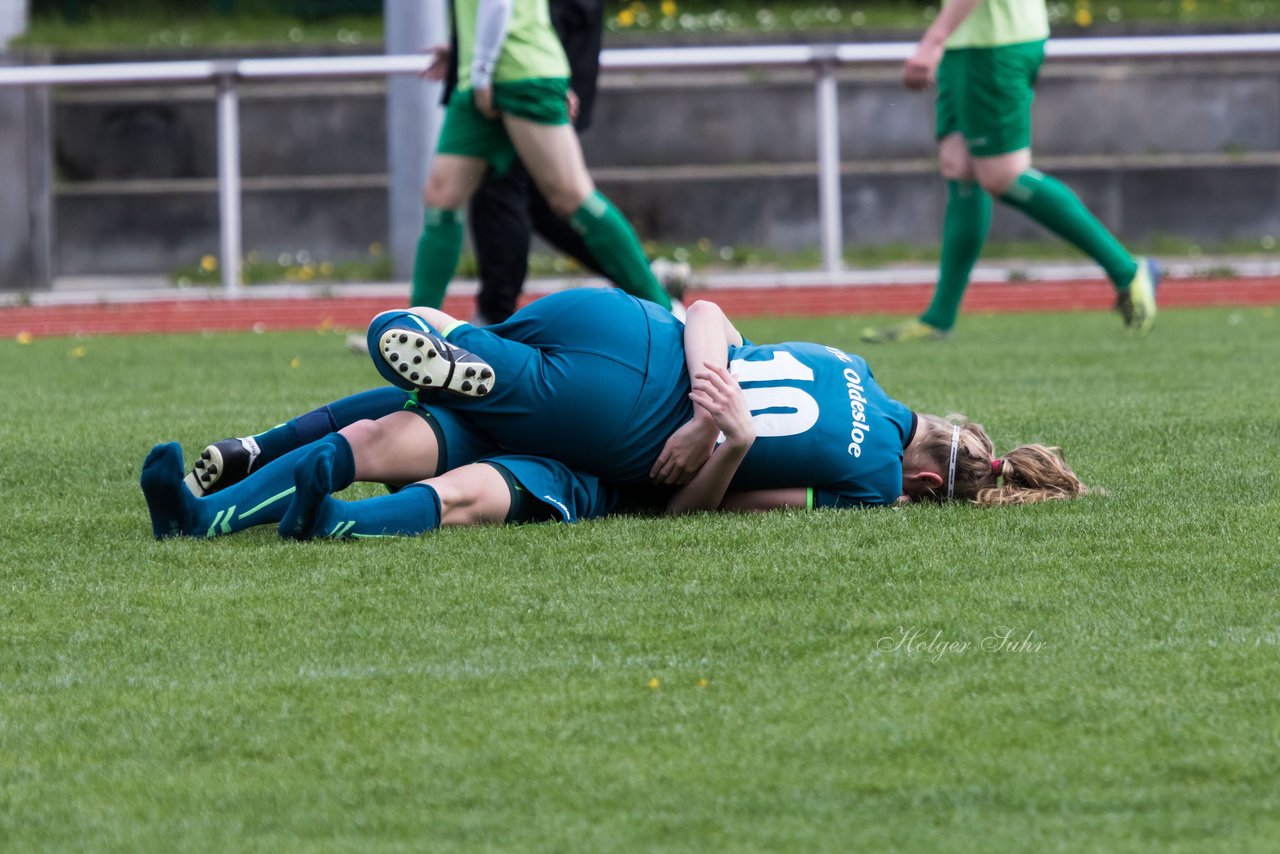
(830, 215)
(229, 184)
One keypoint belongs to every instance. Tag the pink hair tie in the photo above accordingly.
(996, 465)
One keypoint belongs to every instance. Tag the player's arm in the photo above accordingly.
(759, 500)
(492, 19)
(716, 392)
(708, 334)
(921, 70)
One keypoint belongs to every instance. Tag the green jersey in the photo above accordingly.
(996, 23)
(530, 51)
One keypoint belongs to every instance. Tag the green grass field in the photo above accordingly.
(707, 683)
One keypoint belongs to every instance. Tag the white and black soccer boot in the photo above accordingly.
(409, 354)
(222, 464)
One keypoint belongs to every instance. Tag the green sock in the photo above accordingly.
(1049, 202)
(615, 245)
(439, 249)
(964, 230)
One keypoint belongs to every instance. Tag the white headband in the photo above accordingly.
(951, 467)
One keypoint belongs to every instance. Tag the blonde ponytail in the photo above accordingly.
(1026, 475)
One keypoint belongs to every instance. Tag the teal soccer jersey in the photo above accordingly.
(591, 377)
(821, 422)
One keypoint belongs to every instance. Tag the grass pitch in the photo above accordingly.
(798, 681)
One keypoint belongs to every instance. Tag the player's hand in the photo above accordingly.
(686, 451)
(440, 55)
(717, 391)
(921, 70)
(574, 104)
(484, 102)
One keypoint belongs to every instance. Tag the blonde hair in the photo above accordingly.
(1027, 474)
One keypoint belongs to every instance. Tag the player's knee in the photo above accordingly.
(565, 199)
(997, 182)
(443, 192)
(364, 435)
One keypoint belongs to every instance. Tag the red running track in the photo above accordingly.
(354, 312)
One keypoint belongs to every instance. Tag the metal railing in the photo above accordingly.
(824, 60)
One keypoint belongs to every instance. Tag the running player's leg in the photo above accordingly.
(553, 156)
(966, 220)
(450, 183)
(996, 120)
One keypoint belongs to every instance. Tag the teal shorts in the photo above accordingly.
(985, 93)
(467, 133)
(543, 490)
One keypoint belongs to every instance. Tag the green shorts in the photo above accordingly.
(469, 134)
(985, 93)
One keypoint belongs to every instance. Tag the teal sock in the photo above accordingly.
(1052, 204)
(964, 231)
(439, 249)
(259, 499)
(613, 242)
(313, 512)
(318, 423)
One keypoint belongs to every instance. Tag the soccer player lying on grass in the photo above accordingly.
(600, 382)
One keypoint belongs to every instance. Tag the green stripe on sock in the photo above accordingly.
(269, 501)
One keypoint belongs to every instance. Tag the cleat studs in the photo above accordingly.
(394, 357)
(213, 470)
(482, 390)
(471, 372)
(206, 455)
(426, 380)
(414, 376)
(417, 360)
(485, 373)
(431, 354)
(420, 343)
(200, 463)
(404, 339)
(466, 386)
(404, 367)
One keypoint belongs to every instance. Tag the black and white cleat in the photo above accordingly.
(429, 362)
(222, 464)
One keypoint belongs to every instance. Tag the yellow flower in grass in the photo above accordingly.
(669, 8)
(654, 683)
(77, 352)
(208, 264)
(25, 337)
(296, 362)
(626, 18)
(1188, 7)
(702, 683)
(1084, 14)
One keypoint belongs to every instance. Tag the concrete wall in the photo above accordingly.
(1189, 148)
(26, 178)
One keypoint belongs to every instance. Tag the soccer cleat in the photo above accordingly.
(676, 277)
(221, 464)
(907, 330)
(358, 345)
(1137, 303)
(410, 355)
